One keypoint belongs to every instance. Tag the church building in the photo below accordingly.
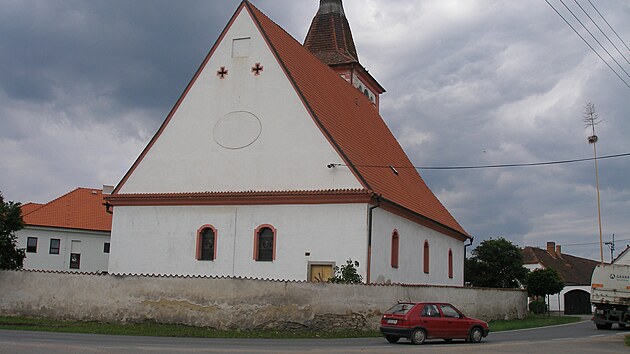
(274, 163)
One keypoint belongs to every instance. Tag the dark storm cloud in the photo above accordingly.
(85, 84)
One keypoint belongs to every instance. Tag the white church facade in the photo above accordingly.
(275, 164)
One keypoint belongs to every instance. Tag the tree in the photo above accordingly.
(496, 264)
(347, 273)
(542, 282)
(10, 221)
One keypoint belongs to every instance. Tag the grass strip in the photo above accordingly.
(533, 321)
(154, 329)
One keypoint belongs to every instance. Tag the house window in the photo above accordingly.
(31, 244)
(265, 243)
(54, 246)
(395, 248)
(426, 256)
(75, 260)
(106, 246)
(450, 264)
(206, 243)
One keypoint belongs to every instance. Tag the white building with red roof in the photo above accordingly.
(275, 163)
(70, 233)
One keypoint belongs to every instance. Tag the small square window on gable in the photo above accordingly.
(241, 47)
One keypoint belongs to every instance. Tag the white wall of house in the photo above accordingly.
(556, 301)
(89, 244)
(624, 259)
(162, 240)
(243, 132)
(411, 249)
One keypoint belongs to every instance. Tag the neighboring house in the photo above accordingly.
(70, 233)
(576, 272)
(623, 258)
(275, 163)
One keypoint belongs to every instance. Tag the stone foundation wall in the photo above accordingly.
(232, 303)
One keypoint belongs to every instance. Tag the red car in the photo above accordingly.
(430, 320)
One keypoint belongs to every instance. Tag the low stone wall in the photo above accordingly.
(232, 303)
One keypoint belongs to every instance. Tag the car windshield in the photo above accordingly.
(399, 309)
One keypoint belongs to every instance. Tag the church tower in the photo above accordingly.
(330, 39)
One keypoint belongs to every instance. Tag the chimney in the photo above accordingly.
(551, 248)
(558, 251)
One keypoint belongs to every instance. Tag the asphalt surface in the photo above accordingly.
(580, 337)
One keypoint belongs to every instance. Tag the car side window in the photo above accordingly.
(449, 311)
(430, 310)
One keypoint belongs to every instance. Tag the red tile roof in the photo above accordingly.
(80, 209)
(354, 127)
(29, 208)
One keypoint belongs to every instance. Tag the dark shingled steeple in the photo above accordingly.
(329, 37)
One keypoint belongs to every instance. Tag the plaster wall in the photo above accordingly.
(242, 132)
(90, 246)
(411, 252)
(232, 303)
(162, 240)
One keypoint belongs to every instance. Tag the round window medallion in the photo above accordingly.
(237, 130)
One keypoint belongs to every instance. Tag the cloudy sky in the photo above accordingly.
(84, 85)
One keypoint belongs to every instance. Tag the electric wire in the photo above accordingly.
(587, 43)
(609, 26)
(602, 31)
(529, 164)
(591, 243)
(594, 38)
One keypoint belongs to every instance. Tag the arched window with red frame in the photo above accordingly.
(265, 243)
(426, 257)
(450, 263)
(206, 243)
(395, 248)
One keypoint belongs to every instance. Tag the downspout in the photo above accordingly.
(369, 250)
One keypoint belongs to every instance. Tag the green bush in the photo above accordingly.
(538, 307)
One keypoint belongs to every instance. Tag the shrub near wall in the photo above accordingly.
(232, 303)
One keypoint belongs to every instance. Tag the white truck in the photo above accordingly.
(610, 295)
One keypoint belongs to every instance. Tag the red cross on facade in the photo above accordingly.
(222, 73)
(256, 69)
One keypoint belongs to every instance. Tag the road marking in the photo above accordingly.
(598, 335)
(568, 338)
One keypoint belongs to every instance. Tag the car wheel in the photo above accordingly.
(604, 326)
(418, 336)
(476, 334)
(392, 339)
(622, 325)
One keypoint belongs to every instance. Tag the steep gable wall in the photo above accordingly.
(240, 132)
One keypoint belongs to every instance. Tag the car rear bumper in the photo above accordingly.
(396, 331)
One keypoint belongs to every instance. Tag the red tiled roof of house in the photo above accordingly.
(80, 209)
(29, 208)
(573, 270)
(354, 127)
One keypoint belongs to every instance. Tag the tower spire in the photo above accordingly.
(329, 37)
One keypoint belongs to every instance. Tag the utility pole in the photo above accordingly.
(591, 119)
(611, 245)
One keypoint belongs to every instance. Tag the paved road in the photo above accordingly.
(574, 338)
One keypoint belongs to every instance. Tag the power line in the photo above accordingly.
(588, 44)
(590, 243)
(612, 29)
(593, 36)
(602, 31)
(487, 166)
